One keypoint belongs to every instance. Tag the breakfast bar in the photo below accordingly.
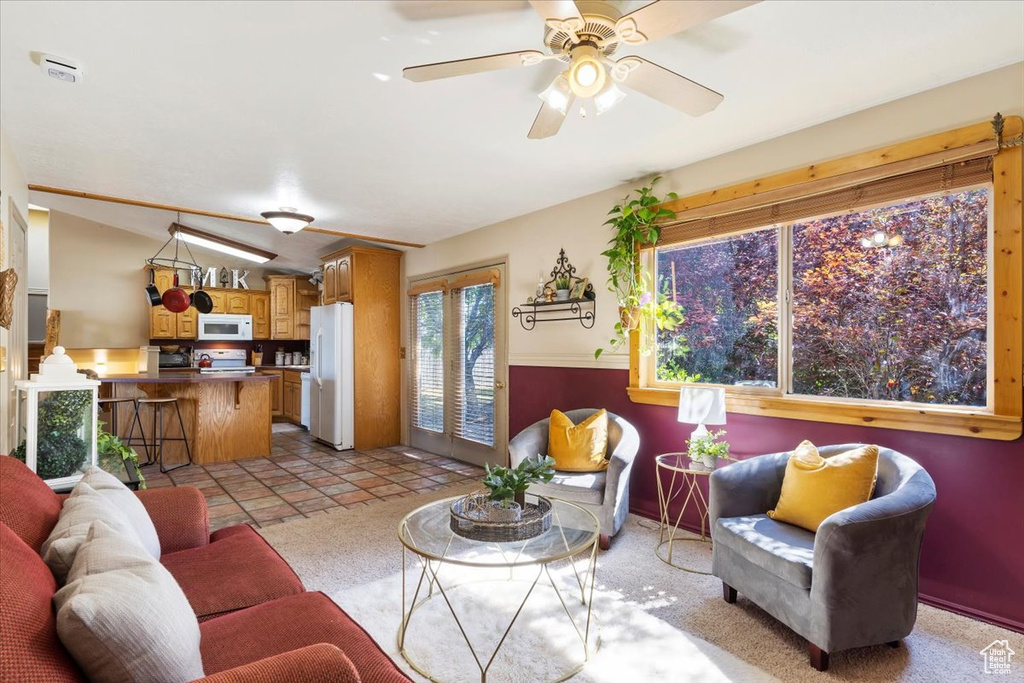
(226, 414)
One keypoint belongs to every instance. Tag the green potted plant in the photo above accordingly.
(508, 486)
(635, 222)
(562, 287)
(706, 449)
(114, 456)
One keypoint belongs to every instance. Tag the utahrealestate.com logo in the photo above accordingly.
(997, 657)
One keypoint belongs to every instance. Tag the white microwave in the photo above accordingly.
(225, 327)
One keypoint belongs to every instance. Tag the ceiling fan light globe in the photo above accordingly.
(558, 94)
(587, 74)
(608, 98)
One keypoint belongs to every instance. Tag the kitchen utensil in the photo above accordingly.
(175, 299)
(205, 361)
(202, 300)
(152, 293)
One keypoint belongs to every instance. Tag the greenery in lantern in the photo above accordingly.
(61, 451)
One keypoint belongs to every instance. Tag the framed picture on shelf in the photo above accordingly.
(579, 289)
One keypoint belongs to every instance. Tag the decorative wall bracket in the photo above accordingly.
(580, 308)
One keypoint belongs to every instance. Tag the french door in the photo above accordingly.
(458, 371)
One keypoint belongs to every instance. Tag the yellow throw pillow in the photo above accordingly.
(578, 448)
(814, 487)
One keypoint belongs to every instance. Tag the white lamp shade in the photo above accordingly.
(702, 405)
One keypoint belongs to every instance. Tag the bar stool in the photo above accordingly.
(111, 405)
(158, 426)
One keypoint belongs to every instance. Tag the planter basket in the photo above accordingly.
(474, 517)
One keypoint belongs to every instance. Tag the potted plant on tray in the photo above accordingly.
(635, 222)
(508, 485)
(706, 449)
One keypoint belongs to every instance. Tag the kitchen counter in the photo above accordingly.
(300, 368)
(227, 415)
(185, 375)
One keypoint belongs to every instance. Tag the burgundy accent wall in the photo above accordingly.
(973, 555)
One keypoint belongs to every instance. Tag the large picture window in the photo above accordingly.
(880, 290)
(887, 303)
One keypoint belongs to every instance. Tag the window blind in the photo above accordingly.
(936, 179)
(472, 354)
(426, 316)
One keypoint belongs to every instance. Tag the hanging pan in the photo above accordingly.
(152, 293)
(175, 299)
(202, 300)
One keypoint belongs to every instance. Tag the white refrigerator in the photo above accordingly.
(331, 400)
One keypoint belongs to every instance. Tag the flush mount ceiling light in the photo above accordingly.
(221, 244)
(287, 220)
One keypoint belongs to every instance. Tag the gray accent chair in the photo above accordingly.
(851, 584)
(606, 493)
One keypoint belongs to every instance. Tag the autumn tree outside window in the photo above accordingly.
(890, 302)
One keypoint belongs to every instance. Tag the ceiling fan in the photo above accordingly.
(584, 35)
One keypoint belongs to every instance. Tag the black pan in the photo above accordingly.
(152, 293)
(201, 300)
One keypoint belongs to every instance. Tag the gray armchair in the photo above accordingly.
(606, 493)
(851, 584)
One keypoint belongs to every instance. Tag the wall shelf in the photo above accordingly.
(549, 311)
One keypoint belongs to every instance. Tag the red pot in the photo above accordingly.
(176, 299)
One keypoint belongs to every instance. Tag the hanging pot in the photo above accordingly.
(629, 317)
(175, 299)
(201, 300)
(152, 293)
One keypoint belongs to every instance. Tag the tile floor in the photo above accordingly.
(303, 478)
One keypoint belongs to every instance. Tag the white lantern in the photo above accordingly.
(57, 421)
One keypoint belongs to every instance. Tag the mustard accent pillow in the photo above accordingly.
(814, 487)
(578, 448)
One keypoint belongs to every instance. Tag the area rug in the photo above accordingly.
(660, 614)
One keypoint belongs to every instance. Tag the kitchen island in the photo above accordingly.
(226, 415)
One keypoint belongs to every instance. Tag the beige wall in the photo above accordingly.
(531, 242)
(97, 281)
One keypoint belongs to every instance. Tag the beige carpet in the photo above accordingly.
(355, 557)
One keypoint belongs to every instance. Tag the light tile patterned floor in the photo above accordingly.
(303, 478)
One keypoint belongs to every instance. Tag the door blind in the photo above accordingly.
(473, 364)
(427, 392)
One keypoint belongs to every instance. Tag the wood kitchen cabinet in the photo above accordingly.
(292, 403)
(259, 309)
(166, 325)
(291, 297)
(370, 279)
(276, 391)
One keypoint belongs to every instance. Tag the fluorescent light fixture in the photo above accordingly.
(221, 244)
(608, 98)
(287, 220)
(558, 94)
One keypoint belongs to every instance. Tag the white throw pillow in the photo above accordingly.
(123, 617)
(84, 506)
(114, 490)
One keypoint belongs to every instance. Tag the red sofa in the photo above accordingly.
(257, 621)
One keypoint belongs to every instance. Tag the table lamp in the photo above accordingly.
(701, 406)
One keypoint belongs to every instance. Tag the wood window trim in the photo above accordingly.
(1003, 422)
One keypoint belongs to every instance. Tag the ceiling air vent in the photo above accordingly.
(60, 68)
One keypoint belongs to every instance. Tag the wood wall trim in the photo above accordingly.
(111, 199)
(1006, 360)
(932, 144)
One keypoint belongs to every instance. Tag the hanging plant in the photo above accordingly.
(635, 222)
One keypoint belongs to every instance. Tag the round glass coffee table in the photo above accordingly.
(426, 535)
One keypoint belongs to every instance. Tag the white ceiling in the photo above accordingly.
(242, 107)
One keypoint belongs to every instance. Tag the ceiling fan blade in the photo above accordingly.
(665, 86)
(557, 9)
(663, 18)
(461, 67)
(549, 121)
